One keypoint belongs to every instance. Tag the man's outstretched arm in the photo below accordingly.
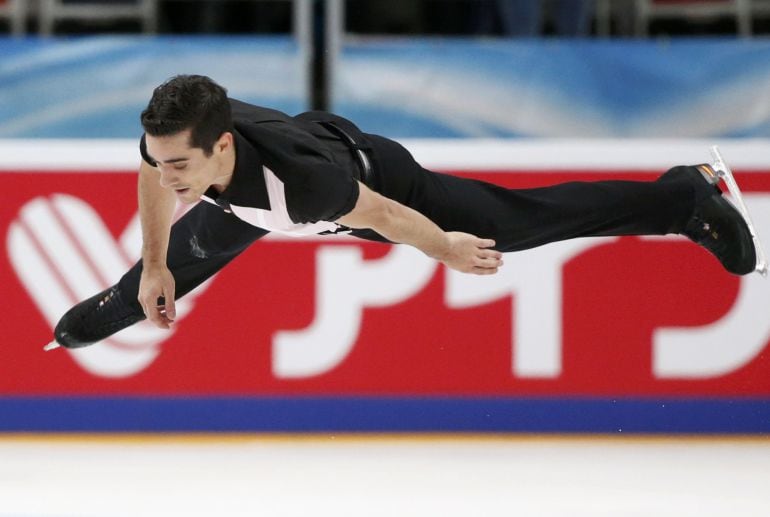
(156, 210)
(398, 223)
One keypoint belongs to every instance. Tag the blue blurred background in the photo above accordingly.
(85, 68)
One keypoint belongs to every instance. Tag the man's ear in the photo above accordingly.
(224, 143)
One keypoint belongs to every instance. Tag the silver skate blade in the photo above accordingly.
(51, 346)
(724, 172)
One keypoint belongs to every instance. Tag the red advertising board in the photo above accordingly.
(322, 316)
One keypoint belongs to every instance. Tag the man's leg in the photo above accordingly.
(681, 201)
(201, 243)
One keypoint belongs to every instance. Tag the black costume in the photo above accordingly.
(317, 157)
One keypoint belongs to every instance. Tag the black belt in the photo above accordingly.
(366, 174)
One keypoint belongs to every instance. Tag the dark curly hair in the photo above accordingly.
(193, 102)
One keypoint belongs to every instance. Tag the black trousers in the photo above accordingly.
(206, 238)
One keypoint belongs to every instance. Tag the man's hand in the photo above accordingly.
(157, 282)
(470, 254)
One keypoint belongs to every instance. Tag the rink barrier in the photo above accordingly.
(384, 414)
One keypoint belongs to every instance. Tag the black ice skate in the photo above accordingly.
(726, 230)
(94, 319)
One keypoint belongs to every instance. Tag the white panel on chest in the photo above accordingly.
(277, 218)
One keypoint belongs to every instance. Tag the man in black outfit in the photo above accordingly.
(258, 170)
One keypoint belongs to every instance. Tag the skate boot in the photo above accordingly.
(719, 226)
(95, 319)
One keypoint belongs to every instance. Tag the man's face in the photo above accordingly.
(184, 169)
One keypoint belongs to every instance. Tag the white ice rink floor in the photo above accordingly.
(317, 476)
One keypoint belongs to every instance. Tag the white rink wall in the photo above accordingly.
(338, 476)
(441, 154)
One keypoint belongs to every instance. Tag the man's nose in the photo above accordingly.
(167, 176)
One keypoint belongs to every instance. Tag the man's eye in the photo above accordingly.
(180, 167)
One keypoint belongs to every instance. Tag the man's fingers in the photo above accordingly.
(488, 259)
(487, 263)
(486, 243)
(156, 315)
(484, 270)
(169, 305)
(156, 311)
(487, 253)
(156, 296)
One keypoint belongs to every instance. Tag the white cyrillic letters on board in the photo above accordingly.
(345, 285)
